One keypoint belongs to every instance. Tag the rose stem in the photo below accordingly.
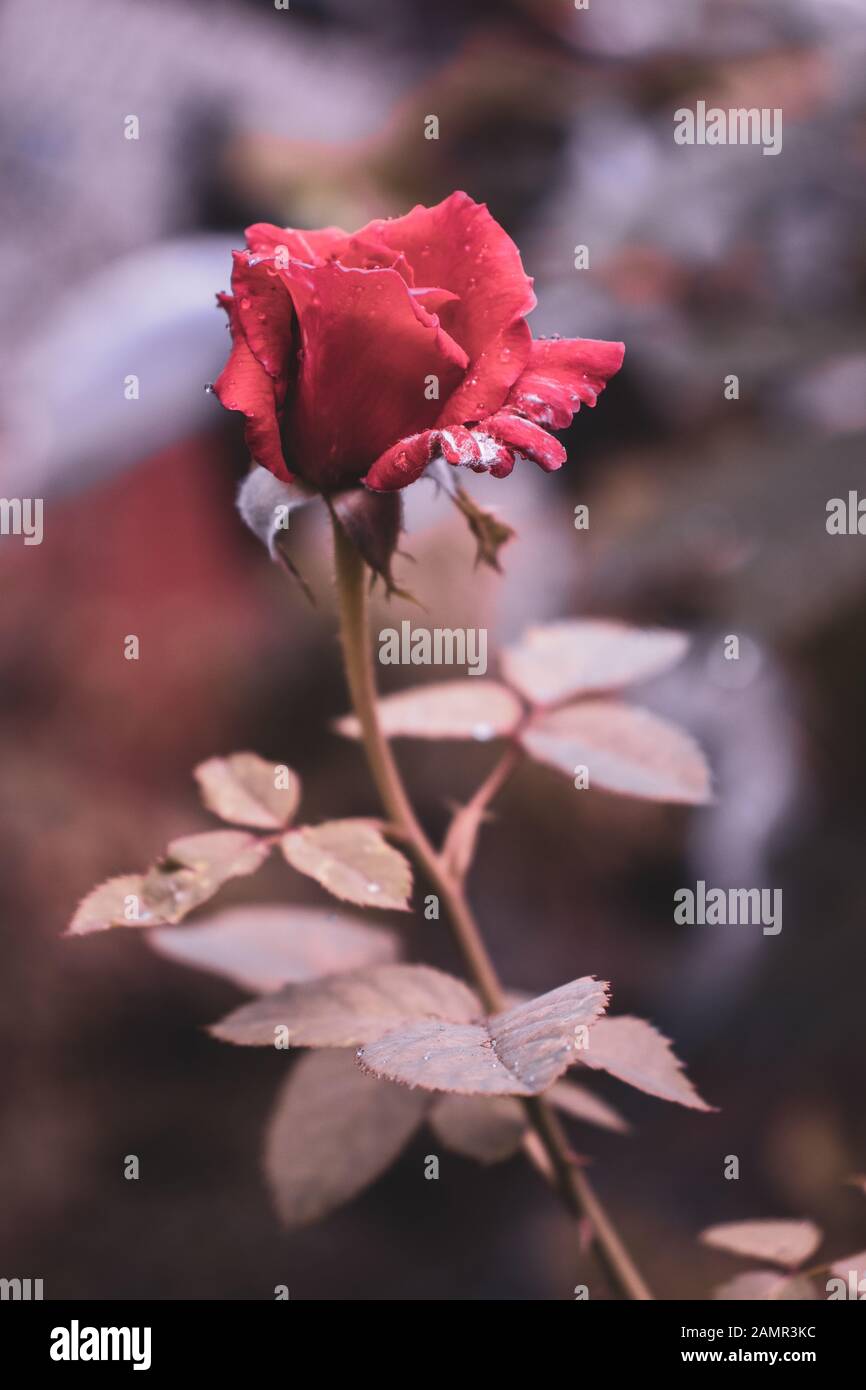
(572, 1184)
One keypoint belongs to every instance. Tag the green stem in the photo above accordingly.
(557, 1163)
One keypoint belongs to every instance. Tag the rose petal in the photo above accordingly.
(496, 458)
(363, 252)
(491, 375)
(353, 401)
(403, 463)
(264, 239)
(432, 298)
(459, 446)
(561, 374)
(264, 311)
(527, 438)
(459, 245)
(244, 385)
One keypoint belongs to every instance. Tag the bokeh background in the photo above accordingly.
(705, 512)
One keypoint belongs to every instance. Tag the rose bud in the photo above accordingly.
(358, 359)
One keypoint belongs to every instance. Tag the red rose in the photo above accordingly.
(361, 357)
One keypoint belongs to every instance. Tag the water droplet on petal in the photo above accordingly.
(374, 887)
(482, 732)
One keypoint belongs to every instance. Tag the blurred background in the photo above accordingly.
(705, 512)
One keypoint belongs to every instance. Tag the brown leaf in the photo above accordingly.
(486, 1128)
(261, 948)
(760, 1284)
(634, 1051)
(332, 1132)
(558, 662)
(242, 788)
(347, 1009)
(519, 1052)
(625, 749)
(786, 1243)
(195, 867)
(353, 860)
(475, 709)
(582, 1104)
(490, 533)
(115, 903)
